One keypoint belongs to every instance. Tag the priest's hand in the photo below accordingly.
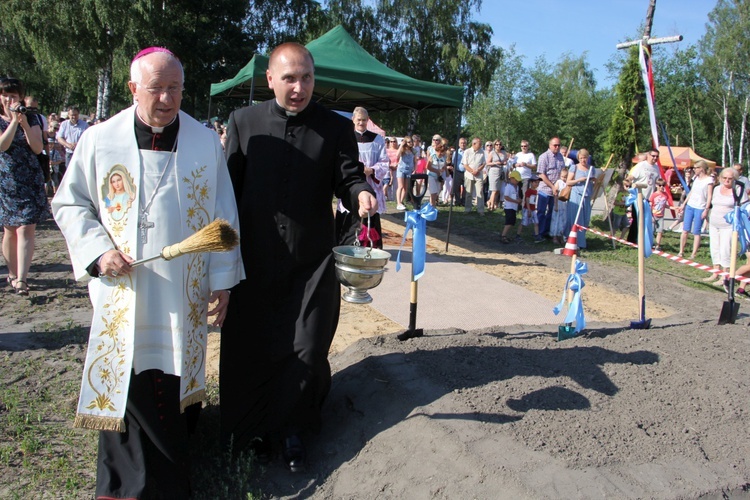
(368, 204)
(115, 263)
(218, 301)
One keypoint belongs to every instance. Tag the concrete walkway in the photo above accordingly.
(486, 301)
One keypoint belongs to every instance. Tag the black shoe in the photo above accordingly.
(294, 454)
(262, 450)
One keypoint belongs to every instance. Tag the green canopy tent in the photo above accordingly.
(346, 76)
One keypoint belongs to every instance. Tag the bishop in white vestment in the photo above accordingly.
(147, 178)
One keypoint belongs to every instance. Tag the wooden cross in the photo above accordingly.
(647, 40)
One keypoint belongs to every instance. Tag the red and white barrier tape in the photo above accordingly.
(673, 258)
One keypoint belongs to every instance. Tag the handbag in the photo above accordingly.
(564, 195)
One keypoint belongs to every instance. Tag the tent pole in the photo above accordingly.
(208, 116)
(252, 92)
(450, 208)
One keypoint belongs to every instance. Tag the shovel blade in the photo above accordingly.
(565, 332)
(729, 310)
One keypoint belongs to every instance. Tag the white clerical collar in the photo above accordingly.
(154, 130)
(288, 113)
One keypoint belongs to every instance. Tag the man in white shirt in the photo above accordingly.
(474, 162)
(646, 172)
(70, 132)
(525, 164)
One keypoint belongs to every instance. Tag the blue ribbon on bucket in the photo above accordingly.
(416, 221)
(575, 308)
(648, 230)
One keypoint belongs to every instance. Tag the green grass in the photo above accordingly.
(40, 451)
(600, 250)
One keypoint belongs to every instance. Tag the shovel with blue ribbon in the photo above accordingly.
(416, 222)
(573, 286)
(645, 236)
(738, 219)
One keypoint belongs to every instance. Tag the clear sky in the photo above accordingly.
(554, 27)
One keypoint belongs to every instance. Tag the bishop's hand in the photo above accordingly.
(114, 263)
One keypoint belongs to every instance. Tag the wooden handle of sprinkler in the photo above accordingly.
(641, 256)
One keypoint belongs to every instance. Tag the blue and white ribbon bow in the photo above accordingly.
(648, 222)
(416, 221)
(575, 308)
(740, 222)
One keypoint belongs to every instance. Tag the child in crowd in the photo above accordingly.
(512, 202)
(620, 210)
(659, 201)
(557, 226)
(529, 208)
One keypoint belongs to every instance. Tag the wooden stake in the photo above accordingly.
(641, 257)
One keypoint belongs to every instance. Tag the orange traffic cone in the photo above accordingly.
(571, 246)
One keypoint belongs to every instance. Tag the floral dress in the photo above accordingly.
(22, 197)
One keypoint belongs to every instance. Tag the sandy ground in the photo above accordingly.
(504, 412)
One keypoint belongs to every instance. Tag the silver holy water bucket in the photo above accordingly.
(359, 269)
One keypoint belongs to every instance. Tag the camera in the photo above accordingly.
(24, 109)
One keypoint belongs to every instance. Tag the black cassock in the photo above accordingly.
(282, 318)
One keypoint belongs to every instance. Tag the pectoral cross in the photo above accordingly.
(144, 225)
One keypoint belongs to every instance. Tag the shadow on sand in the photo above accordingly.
(378, 392)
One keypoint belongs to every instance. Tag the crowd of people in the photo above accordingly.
(152, 176)
(491, 178)
(527, 190)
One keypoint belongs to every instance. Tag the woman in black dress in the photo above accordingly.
(22, 200)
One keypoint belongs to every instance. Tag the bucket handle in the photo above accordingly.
(369, 239)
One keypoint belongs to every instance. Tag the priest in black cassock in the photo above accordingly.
(287, 159)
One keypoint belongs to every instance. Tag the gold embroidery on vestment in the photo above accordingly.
(195, 353)
(107, 374)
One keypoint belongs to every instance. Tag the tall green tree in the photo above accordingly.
(85, 46)
(546, 100)
(497, 113)
(76, 42)
(435, 40)
(629, 122)
(681, 99)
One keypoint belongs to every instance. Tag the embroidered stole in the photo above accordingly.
(181, 285)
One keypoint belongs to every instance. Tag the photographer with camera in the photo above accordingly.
(23, 203)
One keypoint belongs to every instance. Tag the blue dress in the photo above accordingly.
(22, 197)
(576, 195)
